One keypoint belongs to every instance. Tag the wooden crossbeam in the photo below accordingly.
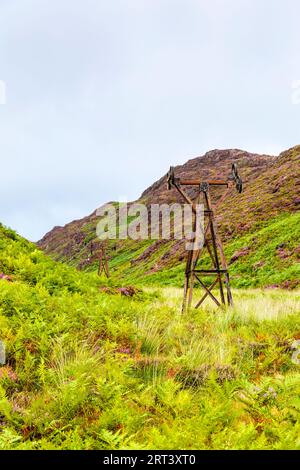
(208, 291)
(210, 288)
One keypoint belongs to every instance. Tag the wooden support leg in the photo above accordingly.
(214, 244)
(219, 247)
(187, 281)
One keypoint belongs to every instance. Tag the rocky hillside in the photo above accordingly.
(271, 191)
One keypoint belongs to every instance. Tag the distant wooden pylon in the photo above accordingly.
(103, 261)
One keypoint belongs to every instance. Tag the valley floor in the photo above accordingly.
(260, 304)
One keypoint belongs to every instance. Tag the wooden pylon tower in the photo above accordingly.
(103, 261)
(210, 241)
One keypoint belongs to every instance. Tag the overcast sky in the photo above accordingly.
(102, 96)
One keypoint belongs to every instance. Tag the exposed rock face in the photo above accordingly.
(214, 164)
(6, 277)
(271, 186)
(243, 252)
(128, 291)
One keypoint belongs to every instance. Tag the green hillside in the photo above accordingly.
(268, 256)
(92, 369)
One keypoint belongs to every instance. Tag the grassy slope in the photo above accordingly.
(273, 258)
(88, 370)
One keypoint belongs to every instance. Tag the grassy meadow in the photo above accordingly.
(92, 369)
